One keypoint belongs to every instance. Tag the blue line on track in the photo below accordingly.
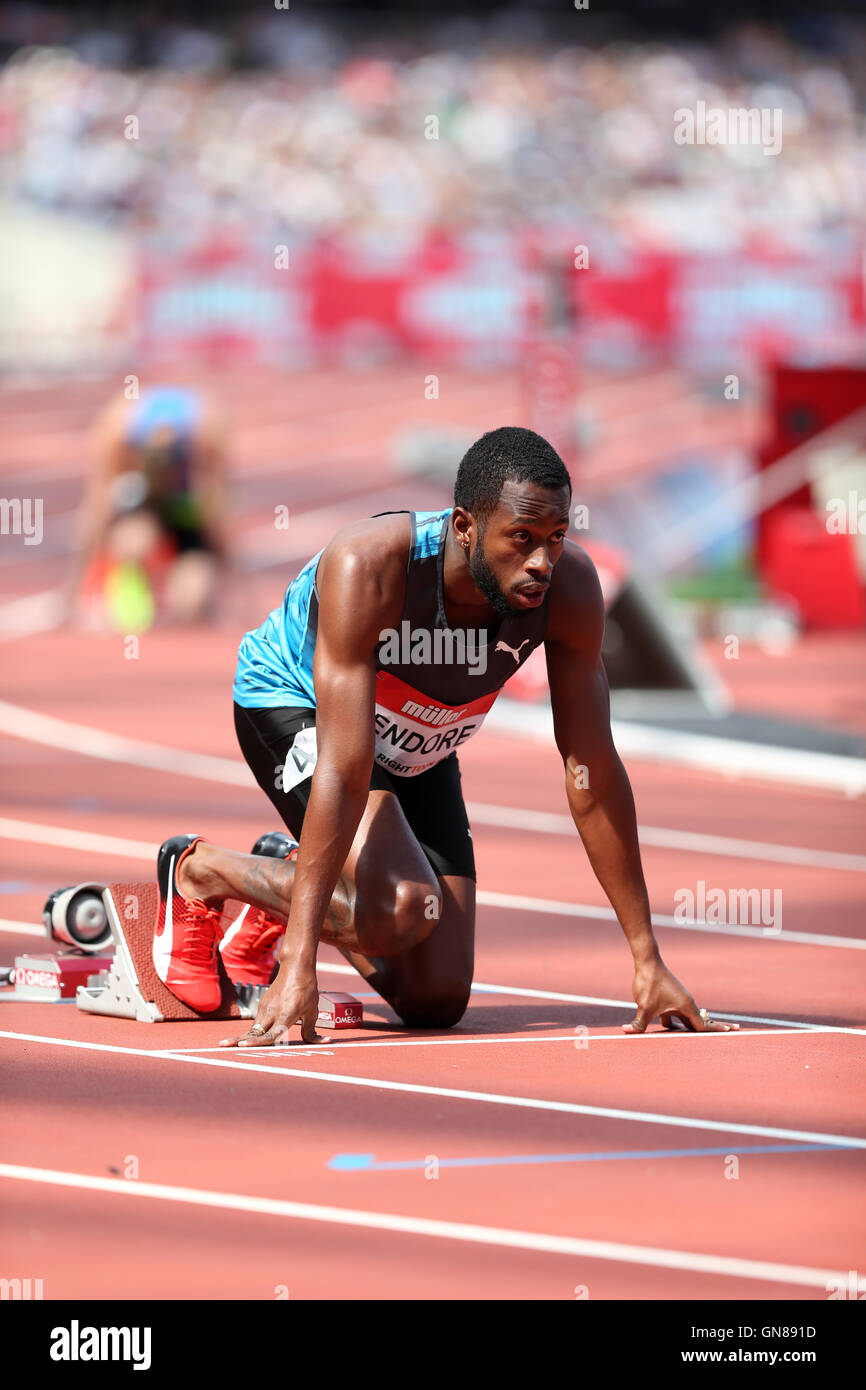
(368, 1163)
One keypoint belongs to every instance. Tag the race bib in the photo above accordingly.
(414, 732)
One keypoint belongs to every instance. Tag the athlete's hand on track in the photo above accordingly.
(658, 994)
(292, 998)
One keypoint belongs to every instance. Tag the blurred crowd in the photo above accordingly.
(293, 125)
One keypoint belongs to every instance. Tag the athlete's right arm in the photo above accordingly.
(360, 593)
(361, 581)
(97, 507)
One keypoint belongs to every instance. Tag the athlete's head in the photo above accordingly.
(511, 506)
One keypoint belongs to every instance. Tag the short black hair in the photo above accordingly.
(507, 454)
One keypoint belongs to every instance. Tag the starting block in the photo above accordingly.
(132, 988)
(128, 986)
(339, 1011)
(49, 978)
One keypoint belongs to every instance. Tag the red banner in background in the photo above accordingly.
(466, 299)
(708, 309)
(225, 300)
(472, 300)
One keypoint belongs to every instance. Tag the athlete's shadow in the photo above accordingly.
(486, 1018)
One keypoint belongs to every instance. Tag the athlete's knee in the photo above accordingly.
(132, 536)
(433, 1008)
(190, 586)
(417, 909)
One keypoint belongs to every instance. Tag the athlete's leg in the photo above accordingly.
(428, 985)
(132, 536)
(190, 587)
(403, 912)
(387, 899)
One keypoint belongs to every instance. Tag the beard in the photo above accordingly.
(486, 581)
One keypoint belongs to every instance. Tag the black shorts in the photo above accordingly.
(432, 802)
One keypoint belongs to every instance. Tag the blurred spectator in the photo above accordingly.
(282, 122)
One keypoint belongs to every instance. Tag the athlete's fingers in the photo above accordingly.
(267, 1039)
(248, 1039)
(689, 1014)
(261, 1026)
(680, 1019)
(308, 1032)
(641, 1021)
(265, 1018)
(699, 1020)
(308, 1021)
(277, 1029)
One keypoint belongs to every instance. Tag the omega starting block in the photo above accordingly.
(131, 988)
(55, 976)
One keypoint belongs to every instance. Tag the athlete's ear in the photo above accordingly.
(462, 524)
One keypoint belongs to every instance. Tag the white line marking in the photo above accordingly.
(23, 723)
(450, 1093)
(13, 927)
(730, 1266)
(579, 1041)
(8, 924)
(661, 837)
(86, 840)
(728, 757)
(139, 849)
(98, 743)
(522, 903)
(22, 617)
(480, 988)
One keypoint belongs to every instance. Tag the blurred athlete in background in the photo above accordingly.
(152, 530)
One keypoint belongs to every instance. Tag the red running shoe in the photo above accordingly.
(248, 948)
(187, 933)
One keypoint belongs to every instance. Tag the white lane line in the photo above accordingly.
(521, 903)
(662, 837)
(574, 1246)
(580, 1041)
(564, 1107)
(139, 849)
(98, 743)
(705, 752)
(13, 927)
(20, 722)
(480, 988)
(22, 617)
(8, 924)
(66, 838)
(778, 1025)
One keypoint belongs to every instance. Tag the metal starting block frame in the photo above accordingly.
(132, 987)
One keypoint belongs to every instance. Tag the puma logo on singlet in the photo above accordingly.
(504, 647)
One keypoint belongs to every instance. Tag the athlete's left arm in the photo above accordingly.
(212, 477)
(599, 794)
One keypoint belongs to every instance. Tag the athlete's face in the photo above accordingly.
(515, 551)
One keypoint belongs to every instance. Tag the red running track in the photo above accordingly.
(534, 1152)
